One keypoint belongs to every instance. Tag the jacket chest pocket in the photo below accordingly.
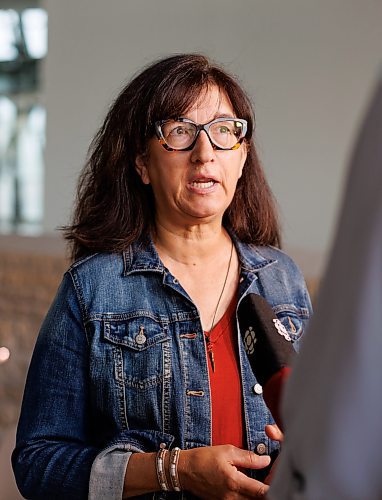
(139, 346)
(292, 320)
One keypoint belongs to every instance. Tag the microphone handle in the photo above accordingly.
(273, 393)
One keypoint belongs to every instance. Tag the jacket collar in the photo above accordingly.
(144, 257)
(141, 257)
(252, 258)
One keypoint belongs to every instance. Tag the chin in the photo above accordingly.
(203, 211)
(206, 215)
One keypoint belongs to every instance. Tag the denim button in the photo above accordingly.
(140, 338)
(257, 389)
(261, 448)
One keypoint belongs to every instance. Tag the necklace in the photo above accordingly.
(208, 335)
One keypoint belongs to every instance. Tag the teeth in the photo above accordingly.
(203, 185)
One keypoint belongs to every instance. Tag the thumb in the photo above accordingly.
(250, 460)
(274, 432)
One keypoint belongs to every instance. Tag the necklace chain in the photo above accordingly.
(208, 335)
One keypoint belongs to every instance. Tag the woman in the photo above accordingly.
(139, 353)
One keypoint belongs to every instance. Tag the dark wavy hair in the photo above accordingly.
(113, 207)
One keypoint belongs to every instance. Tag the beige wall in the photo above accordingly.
(308, 64)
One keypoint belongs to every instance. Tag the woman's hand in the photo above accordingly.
(212, 472)
(273, 432)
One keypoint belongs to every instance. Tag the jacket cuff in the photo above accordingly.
(108, 471)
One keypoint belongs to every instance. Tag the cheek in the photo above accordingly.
(231, 180)
(166, 183)
(240, 171)
(237, 171)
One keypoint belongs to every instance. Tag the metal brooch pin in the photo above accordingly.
(141, 337)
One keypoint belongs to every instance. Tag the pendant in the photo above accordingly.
(210, 353)
(212, 359)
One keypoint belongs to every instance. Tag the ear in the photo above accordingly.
(141, 168)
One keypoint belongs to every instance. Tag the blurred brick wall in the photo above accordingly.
(28, 283)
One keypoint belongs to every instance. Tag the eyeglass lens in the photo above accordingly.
(180, 135)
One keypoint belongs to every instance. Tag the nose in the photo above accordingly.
(203, 151)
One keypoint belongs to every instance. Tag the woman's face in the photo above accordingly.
(197, 186)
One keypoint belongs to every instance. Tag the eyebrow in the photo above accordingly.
(216, 115)
(223, 115)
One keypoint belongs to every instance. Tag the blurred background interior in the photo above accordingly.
(309, 66)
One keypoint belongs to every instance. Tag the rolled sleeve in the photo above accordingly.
(108, 473)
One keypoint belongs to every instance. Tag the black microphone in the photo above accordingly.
(268, 346)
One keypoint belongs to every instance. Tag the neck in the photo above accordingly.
(191, 244)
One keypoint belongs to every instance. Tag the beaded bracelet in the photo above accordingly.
(161, 474)
(174, 477)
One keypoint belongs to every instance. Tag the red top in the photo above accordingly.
(225, 382)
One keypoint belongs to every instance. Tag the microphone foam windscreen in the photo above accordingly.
(267, 342)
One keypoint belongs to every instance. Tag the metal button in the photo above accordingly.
(261, 448)
(140, 339)
(257, 389)
(175, 281)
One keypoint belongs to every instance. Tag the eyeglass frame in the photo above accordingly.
(199, 127)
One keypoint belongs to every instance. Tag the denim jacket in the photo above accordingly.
(120, 366)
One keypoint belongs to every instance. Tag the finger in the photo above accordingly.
(249, 459)
(274, 432)
(251, 488)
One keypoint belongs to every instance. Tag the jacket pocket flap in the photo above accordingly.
(137, 333)
(292, 320)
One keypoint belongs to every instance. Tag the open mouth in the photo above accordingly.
(205, 184)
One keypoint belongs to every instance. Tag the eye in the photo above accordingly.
(181, 130)
(223, 129)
